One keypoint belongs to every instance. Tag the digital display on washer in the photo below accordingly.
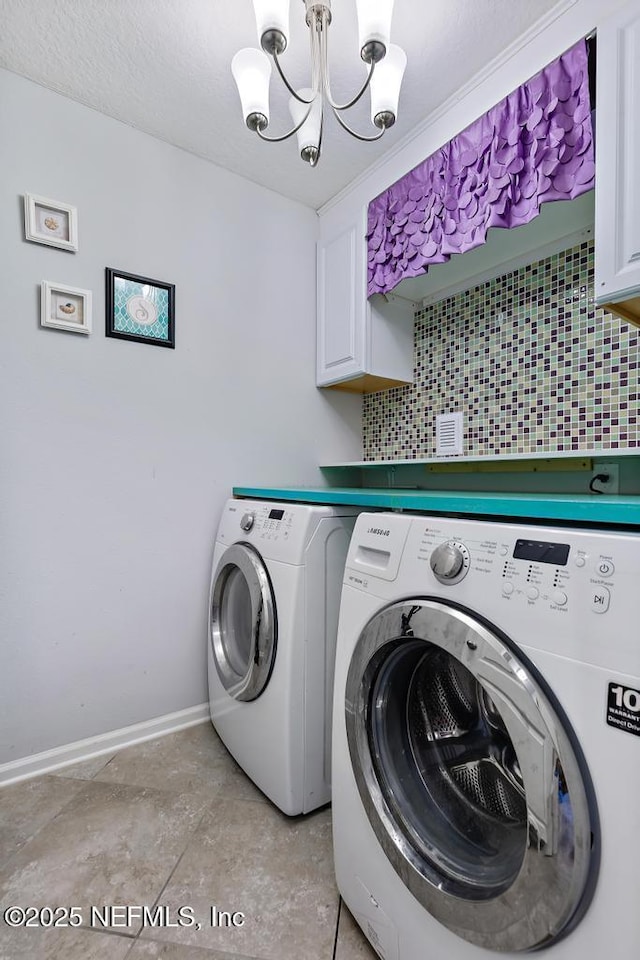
(276, 514)
(541, 552)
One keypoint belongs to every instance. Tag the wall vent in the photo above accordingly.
(448, 434)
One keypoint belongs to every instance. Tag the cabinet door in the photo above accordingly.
(361, 346)
(617, 160)
(340, 307)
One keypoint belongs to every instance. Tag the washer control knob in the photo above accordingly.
(448, 562)
(247, 521)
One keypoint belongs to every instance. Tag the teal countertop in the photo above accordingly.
(579, 508)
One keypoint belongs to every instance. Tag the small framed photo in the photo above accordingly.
(65, 308)
(50, 222)
(140, 309)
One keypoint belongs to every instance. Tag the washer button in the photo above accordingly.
(503, 551)
(533, 593)
(507, 589)
(580, 561)
(559, 598)
(605, 568)
(600, 600)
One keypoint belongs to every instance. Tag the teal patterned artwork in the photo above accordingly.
(140, 309)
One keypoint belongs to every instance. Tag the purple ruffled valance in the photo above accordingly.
(534, 146)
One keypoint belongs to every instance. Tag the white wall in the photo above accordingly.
(116, 457)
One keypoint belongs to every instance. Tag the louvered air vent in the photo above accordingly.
(448, 434)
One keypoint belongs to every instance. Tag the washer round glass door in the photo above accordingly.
(474, 785)
(242, 625)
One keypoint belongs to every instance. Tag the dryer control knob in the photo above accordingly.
(247, 521)
(448, 562)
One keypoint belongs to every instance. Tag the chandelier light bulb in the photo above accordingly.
(251, 70)
(310, 131)
(385, 87)
(374, 28)
(272, 22)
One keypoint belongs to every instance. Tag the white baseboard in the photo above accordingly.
(80, 750)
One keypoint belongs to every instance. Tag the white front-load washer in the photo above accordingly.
(273, 618)
(486, 746)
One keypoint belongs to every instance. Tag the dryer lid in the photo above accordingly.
(242, 622)
(470, 776)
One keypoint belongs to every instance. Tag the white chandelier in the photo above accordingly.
(252, 71)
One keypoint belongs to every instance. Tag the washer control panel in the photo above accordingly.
(282, 531)
(536, 570)
(566, 590)
(267, 522)
(528, 571)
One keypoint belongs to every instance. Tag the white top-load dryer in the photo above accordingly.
(273, 617)
(486, 752)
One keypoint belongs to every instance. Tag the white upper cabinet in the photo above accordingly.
(362, 345)
(618, 163)
(340, 336)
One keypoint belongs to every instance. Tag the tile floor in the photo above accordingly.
(169, 823)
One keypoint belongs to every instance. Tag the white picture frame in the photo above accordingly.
(50, 222)
(65, 308)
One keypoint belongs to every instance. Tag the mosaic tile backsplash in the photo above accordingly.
(527, 358)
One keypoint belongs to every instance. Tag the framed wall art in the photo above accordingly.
(65, 308)
(50, 222)
(140, 309)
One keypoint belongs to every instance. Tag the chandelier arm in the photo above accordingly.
(285, 136)
(353, 133)
(287, 84)
(361, 92)
(324, 71)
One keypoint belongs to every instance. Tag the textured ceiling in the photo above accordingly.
(163, 66)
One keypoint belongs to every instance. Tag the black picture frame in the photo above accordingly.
(140, 309)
